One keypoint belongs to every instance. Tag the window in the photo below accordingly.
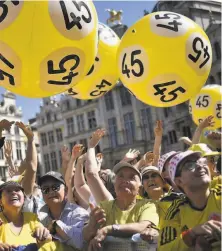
(172, 137)
(146, 120)
(1, 154)
(60, 157)
(92, 120)
(80, 123)
(78, 102)
(129, 127)
(125, 96)
(84, 143)
(109, 101)
(51, 137)
(219, 77)
(2, 172)
(16, 129)
(43, 139)
(54, 161)
(18, 150)
(217, 50)
(70, 126)
(71, 145)
(55, 117)
(166, 112)
(187, 132)
(67, 105)
(48, 117)
(211, 80)
(59, 134)
(113, 132)
(46, 162)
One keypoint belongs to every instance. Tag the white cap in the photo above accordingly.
(163, 159)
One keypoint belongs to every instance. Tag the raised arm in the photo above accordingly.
(65, 159)
(8, 156)
(79, 180)
(158, 131)
(130, 155)
(208, 122)
(31, 160)
(96, 185)
(76, 152)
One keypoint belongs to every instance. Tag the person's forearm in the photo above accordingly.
(80, 184)
(64, 167)
(10, 162)
(31, 168)
(197, 135)
(88, 233)
(157, 149)
(69, 171)
(96, 185)
(127, 230)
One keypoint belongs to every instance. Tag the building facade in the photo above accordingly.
(9, 111)
(129, 122)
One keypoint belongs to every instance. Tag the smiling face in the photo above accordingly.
(11, 198)
(152, 182)
(53, 191)
(193, 174)
(127, 182)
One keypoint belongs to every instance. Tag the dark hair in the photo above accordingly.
(218, 166)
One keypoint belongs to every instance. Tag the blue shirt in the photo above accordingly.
(71, 221)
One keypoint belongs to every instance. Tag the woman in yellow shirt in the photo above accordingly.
(16, 227)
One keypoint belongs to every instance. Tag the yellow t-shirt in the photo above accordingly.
(182, 216)
(216, 181)
(25, 236)
(143, 210)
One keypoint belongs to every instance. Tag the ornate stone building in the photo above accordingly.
(9, 111)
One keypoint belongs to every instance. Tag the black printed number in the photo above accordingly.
(160, 90)
(4, 8)
(93, 67)
(198, 48)
(172, 25)
(134, 61)
(71, 92)
(4, 74)
(203, 101)
(99, 90)
(75, 20)
(68, 78)
(218, 109)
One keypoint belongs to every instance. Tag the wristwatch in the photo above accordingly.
(53, 230)
(115, 228)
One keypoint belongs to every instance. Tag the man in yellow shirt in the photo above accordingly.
(194, 221)
(126, 215)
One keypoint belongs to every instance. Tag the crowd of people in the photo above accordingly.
(172, 200)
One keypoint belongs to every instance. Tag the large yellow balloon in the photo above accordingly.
(207, 102)
(46, 47)
(164, 59)
(103, 75)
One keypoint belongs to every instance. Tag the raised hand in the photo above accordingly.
(8, 149)
(207, 122)
(65, 154)
(77, 151)
(149, 158)
(26, 129)
(96, 137)
(6, 125)
(131, 155)
(158, 130)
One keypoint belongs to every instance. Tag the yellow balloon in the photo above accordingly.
(207, 102)
(164, 59)
(46, 47)
(103, 75)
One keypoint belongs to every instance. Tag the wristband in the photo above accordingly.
(53, 230)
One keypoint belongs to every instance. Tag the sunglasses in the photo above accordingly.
(53, 188)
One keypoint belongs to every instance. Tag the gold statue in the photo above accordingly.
(114, 16)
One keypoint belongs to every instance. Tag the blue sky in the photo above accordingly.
(132, 11)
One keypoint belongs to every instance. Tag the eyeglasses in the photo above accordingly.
(54, 188)
(190, 165)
